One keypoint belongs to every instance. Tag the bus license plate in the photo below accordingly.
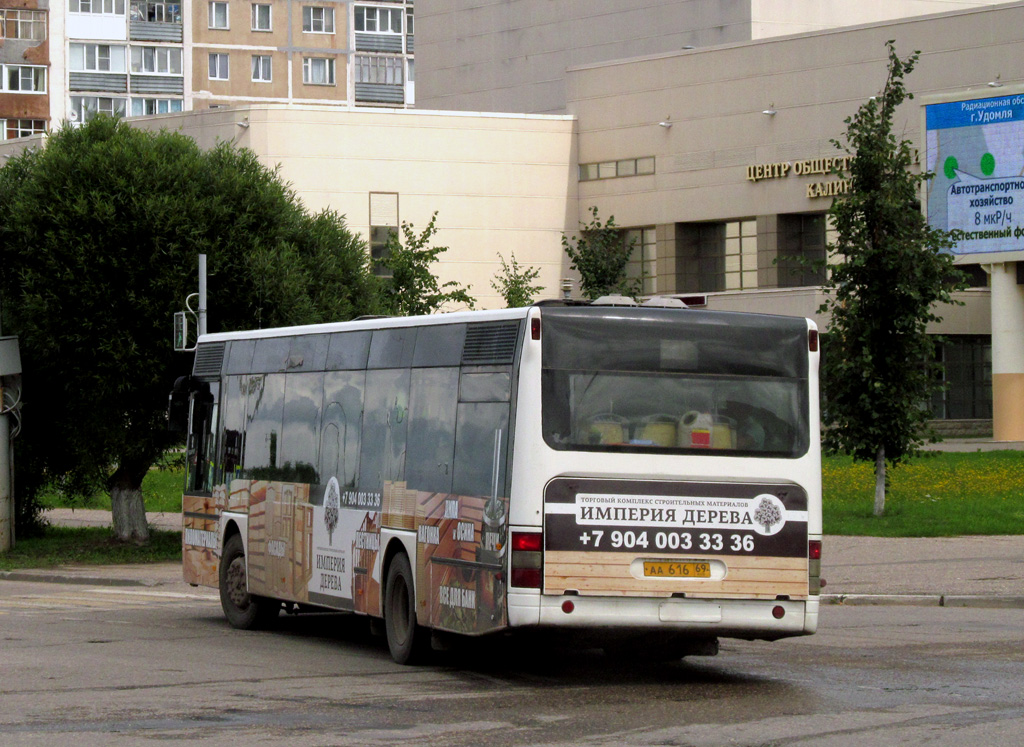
(671, 569)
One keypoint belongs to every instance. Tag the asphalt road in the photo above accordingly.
(92, 665)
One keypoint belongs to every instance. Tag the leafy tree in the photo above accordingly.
(893, 271)
(513, 284)
(600, 256)
(99, 240)
(412, 289)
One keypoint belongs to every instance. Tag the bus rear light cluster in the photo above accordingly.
(814, 580)
(527, 560)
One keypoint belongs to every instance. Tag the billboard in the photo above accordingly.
(975, 149)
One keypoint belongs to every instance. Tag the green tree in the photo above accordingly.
(893, 272)
(99, 240)
(514, 283)
(412, 289)
(600, 255)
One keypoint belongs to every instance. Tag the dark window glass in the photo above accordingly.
(481, 445)
(392, 348)
(233, 404)
(262, 446)
(342, 424)
(300, 436)
(801, 250)
(271, 355)
(440, 345)
(674, 381)
(347, 351)
(239, 356)
(485, 387)
(700, 265)
(202, 438)
(385, 421)
(432, 406)
(308, 353)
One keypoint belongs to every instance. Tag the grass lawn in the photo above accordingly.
(89, 546)
(937, 495)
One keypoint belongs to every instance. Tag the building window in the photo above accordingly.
(740, 255)
(23, 24)
(643, 262)
(13, 128)
(156, 12)
(802, 250)
(967, 376)
(147, 107)
(105, 7)
(700, 261)
(318, 71)
(317, 20)
(409, 21)
(383, 223)
(84, 108)
(93, 58)
(218, 66)
(157, 60)
(260, 17)
(24, 78)
(612, 169)
(386, 70)
(261, 68)
(378, 20)
(218, 15)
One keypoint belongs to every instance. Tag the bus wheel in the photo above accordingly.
(407, 641)
(242, 609)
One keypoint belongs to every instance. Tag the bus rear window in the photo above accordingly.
(670, 381)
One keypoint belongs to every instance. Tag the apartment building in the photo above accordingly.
(320, 52)
(72, 59)
(24, 68)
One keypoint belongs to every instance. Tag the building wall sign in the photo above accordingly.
(808, 167)
(973, 146)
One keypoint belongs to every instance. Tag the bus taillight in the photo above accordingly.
(814, 579)
(527, 559)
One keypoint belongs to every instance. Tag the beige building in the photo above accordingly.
(497, 182)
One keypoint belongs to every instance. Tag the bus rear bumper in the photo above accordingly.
(735, 618)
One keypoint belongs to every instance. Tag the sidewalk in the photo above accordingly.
(944, 571)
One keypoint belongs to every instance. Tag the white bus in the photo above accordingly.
(651, 476)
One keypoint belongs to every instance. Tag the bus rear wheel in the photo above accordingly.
(407, 641)
(243, 610)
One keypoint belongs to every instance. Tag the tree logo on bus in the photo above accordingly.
(332, 507)
(769, 515)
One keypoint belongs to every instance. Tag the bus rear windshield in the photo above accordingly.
(674, 381)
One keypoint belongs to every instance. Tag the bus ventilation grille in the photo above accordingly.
(492, 343)
(209, 358)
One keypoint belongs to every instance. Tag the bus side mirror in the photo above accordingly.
(177, 406)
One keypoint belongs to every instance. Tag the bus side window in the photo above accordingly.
(385, 423)
(481, 440)
(432, 406)
(201, 439)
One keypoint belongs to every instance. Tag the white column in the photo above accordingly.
(1007, 353)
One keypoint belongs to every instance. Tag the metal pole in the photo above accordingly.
(6, 498)
(202, 294)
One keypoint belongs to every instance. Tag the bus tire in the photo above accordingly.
(243, 610)
(407, 641)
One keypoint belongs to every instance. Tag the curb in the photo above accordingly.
(59, 578)
(925, 600)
